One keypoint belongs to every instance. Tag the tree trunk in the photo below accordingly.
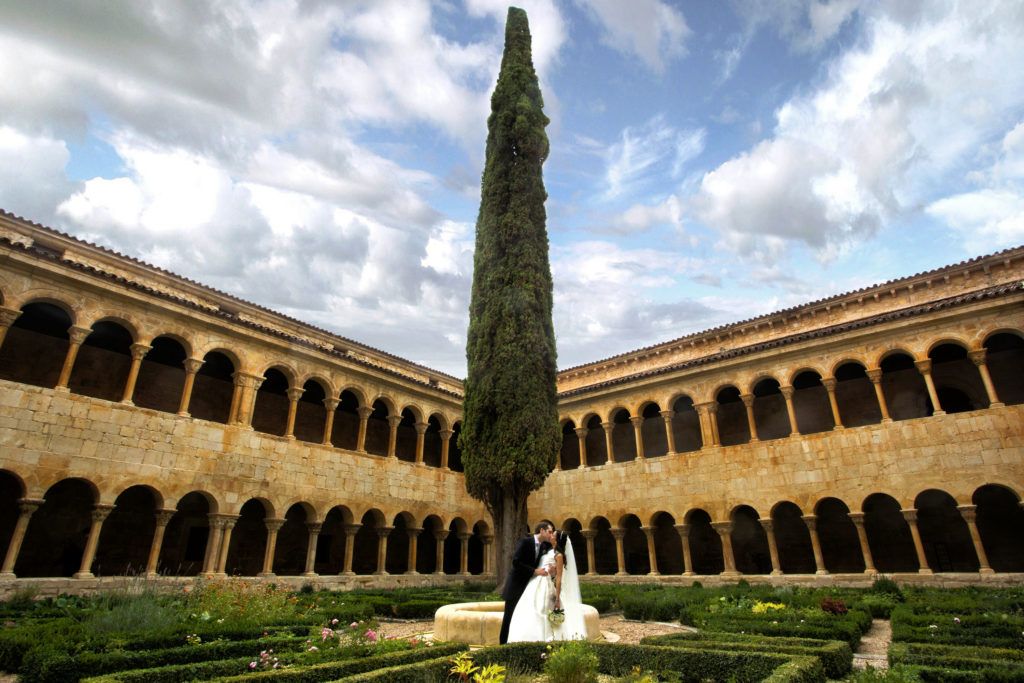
(509, 521)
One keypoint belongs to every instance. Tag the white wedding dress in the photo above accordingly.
(530, 618)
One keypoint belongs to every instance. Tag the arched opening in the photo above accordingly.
(733, 427)
(293, 541)
(905, 392)
(426, 549)
(597, 447)
(840, 544)
(856, 397)
(653, 431)
(454, 452)
(892, 546)
(213, 388)
(623, 437)
(161, 376)
(248, 540)
(770, 414)
(705, 544)
(749, 542)
(101, 366)
(574, 528)
(310, 413)
(1004, 358)
(792, 539)
(397, 560)
(811, 404)
(378, 431)
(606, 558)
(364, 552)
(270, 412)
(569, 454)
(944, 533)
(11, 489)
(330, 544)
(475, 562)
(686, 426)
(186, 536)
(35, 345)
(432, 442)
(345, 430)
(405, 440)
(453, 546)
(668, 548)
(1000, 519)
(57, 531)
(634, 546)
(957, 380)
(127, 533)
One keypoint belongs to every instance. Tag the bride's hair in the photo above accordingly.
(560, 538)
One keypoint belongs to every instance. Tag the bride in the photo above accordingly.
(560, 589)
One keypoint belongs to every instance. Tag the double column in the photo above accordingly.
(26, 506)
(724, 531)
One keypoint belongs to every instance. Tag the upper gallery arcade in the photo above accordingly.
(151, 424)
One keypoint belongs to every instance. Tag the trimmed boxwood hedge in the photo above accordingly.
(430, 670)
(954, 656)
(836, 628)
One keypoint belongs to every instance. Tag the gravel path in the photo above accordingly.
(873, 649)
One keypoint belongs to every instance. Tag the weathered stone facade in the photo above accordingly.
(151, 424)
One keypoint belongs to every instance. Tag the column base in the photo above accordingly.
(653, 573)
(838, 428)
(689, 574)
(591, 574)
(871, 572)
(776, 572)
(83, 575)
(886, 420)
(7, 576)
(127, 402)
(938, 412)
(148, 575)
(311, 575)
(984, 571)
(184, 413)
(290, 437)
(413, 573)
(997, 404)
(621, 573)
(925, 571)
(267, 575)
(821, 572)
(62, 390)
(348, 573)
(381, 573)
(730, 575)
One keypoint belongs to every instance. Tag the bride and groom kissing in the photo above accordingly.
(541, 588)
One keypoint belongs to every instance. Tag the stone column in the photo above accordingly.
(620, 553)
(254, 384)
(638, 424)
(869, 563)
(670, 438)
(26, 506)
(273, 526)
(237, 392)
(608, 446)
(704, 419)
(382, 549)
(213, 550)
(464, 553)
(7, 318)
(581, 436)
(421, 435)
(724, 530)
(294, 394)
(716, 439)
(364, 416)
(76, 335)
(439, 536)
(192, 366)
(330, 405)
(350, 545)
(138, 352)
(314, 536)
(393, 422)
(925, 368)
(773, 548)
(748, 403)
(652, 555)
(163, 517)
(589, 535)
(787, 393)
(812, 528)
(979, 359)
(970, 513)
(830, 387)
(100, 512)
(876, 379)
(414, 534)
(446, 437)
(488, 543)
(227, 523)
(911, 517)
(684, 536)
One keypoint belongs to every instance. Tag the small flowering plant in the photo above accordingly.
(556, 617)
(265, 661)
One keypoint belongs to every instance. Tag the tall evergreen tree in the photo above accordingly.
(510, 436)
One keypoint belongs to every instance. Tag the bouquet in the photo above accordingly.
(556, 617)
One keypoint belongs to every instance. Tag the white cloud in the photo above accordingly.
(652, 30)
(647, 152)
(806, 24)
(32, 177)
(987, 219)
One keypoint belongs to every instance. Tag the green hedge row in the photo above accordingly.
(1001, 664)
(993, 635)
(430, 670)
(835, 656)
(839, 628)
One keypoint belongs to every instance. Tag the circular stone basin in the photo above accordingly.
(479, 623)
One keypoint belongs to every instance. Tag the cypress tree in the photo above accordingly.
(510, 436)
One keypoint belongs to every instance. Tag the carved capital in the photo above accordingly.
(464, 536)
(384, 531)
(77, 334)
(441, 534)
(649, 530)
(748, 399)
(273, 525)
(29, 505)
(589, 534)
(811, 521)
(227, 522)
(875, 375)
(618, 533)
(924, 366)
(668, 414)
(767, 525)
(331, 404)
(608, 426)
(909, 515)
(787, 392)
(101, 511)
(582, 432)
(352, 529)
(856, 517)
(829, 383)
(295, 393)
(421, 427)
(978, 356)
(968, 512)
(413, 531)
(487, 539)
(683, 530)
(314, 527)
(364, 412)
(394, 420)
(139, 351)
(446, 434)
(637, 420)
(722, 528)
(8, 316)
(163, 517)
(192, 365)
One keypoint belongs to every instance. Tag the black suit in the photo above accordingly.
(524, 562)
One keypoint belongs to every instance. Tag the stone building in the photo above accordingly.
(150, 424)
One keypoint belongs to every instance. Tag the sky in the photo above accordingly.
(710, 161)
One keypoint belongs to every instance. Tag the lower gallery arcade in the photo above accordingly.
(143, 433)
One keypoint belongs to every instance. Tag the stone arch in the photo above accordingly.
(12, 489)
(771, 416)
(104, 358)
(892, 546)
(569, 453)
(119, 318)
(904, 387)
(623, 436)
(475, 551)
(367, 540)
(454, 450)
(270, 409)
(432, 438)
(792, 538)
(749, 541)
(634, 545)
(36, 344)
(840, 544)
(944, 533)
(705, 543)
(733, 427)
(605, 554)
(397, 560)
(574, 528)
(187, 535)
(293, 539)
(57, 532)
(811, 404)
(332, 541)
(128, 531)
(668, 547)
(161, 378)
(310, 411)
(1000, 519)
(1004, 358)
(345, 427)
(596, 444)
(956, 378)
(248, 547)
(406, 437)
(855, 395)
(426, 549)
(652, 429)
(214, 386)
(686, 431)
(453, 545)
(378, 429)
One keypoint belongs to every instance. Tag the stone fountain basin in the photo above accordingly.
(479, 623)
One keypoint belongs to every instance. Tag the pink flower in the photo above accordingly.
(371, 635)
(353, 624)
(252, 665)
(326, 633)
(334, 622)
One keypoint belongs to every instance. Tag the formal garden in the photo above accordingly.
(233, 630)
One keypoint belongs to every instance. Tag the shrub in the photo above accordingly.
(878, 605)
(887, 586)
(571, 662)
(834, 606)
(895, 674)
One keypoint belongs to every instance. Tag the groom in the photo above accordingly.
(524, 567)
